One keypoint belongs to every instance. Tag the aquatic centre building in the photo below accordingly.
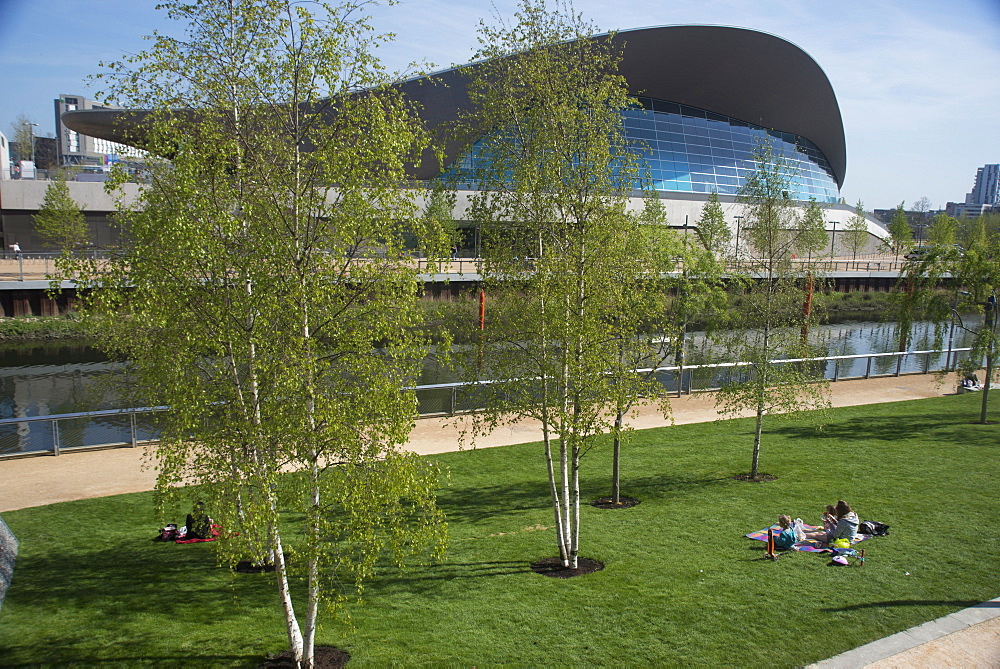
(706, 96)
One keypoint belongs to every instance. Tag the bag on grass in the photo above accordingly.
(873, 528)
(800, 533)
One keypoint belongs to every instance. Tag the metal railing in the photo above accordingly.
(827, 266)
(39, 435)
(831, 265)
(449, 398)
(78, 431)
(36, 265)
(31, 265)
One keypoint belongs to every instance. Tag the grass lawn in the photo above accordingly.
(681, 585)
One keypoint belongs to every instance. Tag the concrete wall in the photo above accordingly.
(684, 210)
(20, 200)
(26, 194)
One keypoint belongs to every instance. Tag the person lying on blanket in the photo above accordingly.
(845, 527)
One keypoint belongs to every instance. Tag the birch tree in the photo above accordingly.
(900, 233)
(554, 173)
(59, 220)
(856, 232)
(943, 230)
(264, 306)
(773, 316)
(22, 137)
(811, 237)
(713, 231)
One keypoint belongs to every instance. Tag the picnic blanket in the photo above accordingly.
(216, 530)
(805, 546)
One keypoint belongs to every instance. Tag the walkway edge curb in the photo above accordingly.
(915, 636)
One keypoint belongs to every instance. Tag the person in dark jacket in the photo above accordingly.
(199, 525)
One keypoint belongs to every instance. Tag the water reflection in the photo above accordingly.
(46, 379)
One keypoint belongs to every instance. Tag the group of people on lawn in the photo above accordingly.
(839, 522)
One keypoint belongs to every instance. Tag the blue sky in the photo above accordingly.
(918, 81)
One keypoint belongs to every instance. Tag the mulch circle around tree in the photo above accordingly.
(761, 476)
(623, 502)
(554, 567)
(324, 657)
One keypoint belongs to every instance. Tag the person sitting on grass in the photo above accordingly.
(199, 525)
(971, 382)
(786, 539)
(846, 526)
(829, 518)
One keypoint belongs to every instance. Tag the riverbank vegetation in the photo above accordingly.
(459, 317)
(456, 317)
(680, 581)
(28, 328)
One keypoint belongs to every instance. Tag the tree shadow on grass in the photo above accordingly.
(664, 486)
(485, 502)
(72, 657)
(961, 603)
(429, 577)
(107, 584)
(114, 588)
(490, 502)
(883, 428)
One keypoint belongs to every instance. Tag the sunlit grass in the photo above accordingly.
(681, 584)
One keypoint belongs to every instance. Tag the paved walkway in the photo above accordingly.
(969, 638)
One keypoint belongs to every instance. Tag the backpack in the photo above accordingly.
(168, 533)
(873, 528)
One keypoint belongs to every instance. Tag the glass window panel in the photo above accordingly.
(715, 144)
(666, 107)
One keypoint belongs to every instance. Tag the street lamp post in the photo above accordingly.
(951, 363)
(31, 132)
(739, 219)
(833, 237)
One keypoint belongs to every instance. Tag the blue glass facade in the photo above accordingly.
(697, 151)
(691, 150)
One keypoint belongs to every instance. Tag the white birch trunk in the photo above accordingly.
(557, 506)
(567, 548)
(575, 548)
(291, 622)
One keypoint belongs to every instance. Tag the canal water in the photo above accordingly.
(59, 378)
